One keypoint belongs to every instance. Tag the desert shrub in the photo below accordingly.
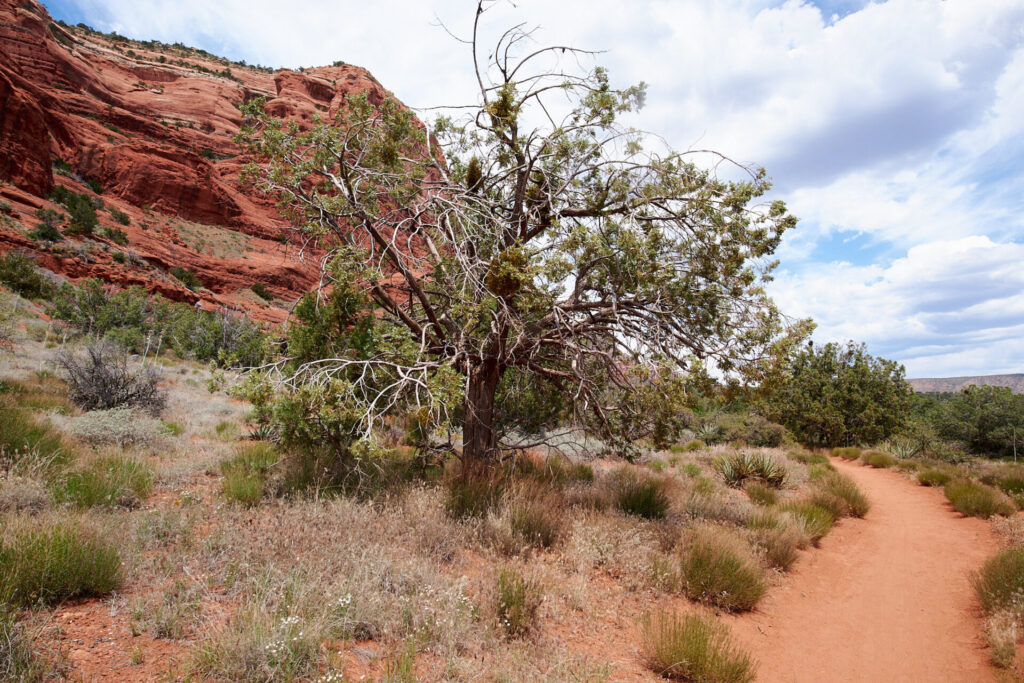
(187, 278)
(119, 216)
(638, 493)
(835, 505)
(81, 210)
(977, 500)
(116, 235)
(760, 494)
(1011, 485)
(48, 563)
(18, 273)
(101, 379)
(22, 494)
(260, 290)
(855, 503)
(693, 647)
(28, 445)
(517, 600)
(753, 430)
(471, 495)
(110, 480)
(717, 567)
(933, 478)
(689, 446)
(704, 503)
(847, 453)
(779, 544)
(1000, 582)
(120, 426)
(46, 232)
(878, 459)
(907, 465)
(737, 468)
(815, 520)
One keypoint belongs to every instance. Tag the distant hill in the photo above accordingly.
(949, 384)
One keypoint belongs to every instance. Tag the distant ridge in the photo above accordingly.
(950, 384)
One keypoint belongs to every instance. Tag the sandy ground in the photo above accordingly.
(886, 598)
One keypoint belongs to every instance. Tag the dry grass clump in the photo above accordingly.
(244, 476)
(878, 459)
(536, 514)
(118, 426)
(847, 453)
(471, 494)
(516, 601)
(30, 446)
(689, 446)
(716, 566)
(612, 543)
(110, 479)
(47, 562)
(22, 494)
(760, 494)
(778, 537)
(737, 468)
(636, 492)
(999, 585)
(840, 495)
(977, 500)
(931, 477)
(693, 647)
(815, 520)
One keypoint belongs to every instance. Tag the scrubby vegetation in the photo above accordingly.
(977, 500)
(693, 647)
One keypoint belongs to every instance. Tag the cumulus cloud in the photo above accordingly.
(892, 128)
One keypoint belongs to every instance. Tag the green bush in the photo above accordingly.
(637, 493)
(109, 480)
(689, 446)
(717, 567)
(47, 230)
(81, 210)
(693, 647)
(260, 290)
(848, 453)
(50, 563)
(187, 278)
(933, 478)
(19, 274)
(737, 468)
(878, 459)
(120, 216)
(517, 600)
(977, 500)
(752, 430)
(855, 503)
(815, 520)
(1000, 582)
(245, 474)
(116, 235)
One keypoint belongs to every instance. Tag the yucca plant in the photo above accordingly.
(737, 468)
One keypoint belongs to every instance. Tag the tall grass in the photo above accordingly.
(110, 480)
(718, 567)
(878, 459)
(842, 488)
(30, 446)
(933, 478)
(1000, 582)
(638, 493)
(693, 647)
(517, 600)
(848, 453)
(47, 563)
(244, 475)
(815, 520)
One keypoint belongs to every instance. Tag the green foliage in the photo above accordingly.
(107, 480)
(260, 290)
(837, 395)
(689, 446)
(245, 474)
(116, 235)
(81, 210)
(187, 278)
(19, 274)
(931, 477)
(1000, 582)
(977, 500)
(717, 567)
(517, 600)
(49, 221)
(693, 647)
(28, 444)
(988, 420)
(752, 430)
(878, 459)
(48, 563)
(737, 468)
(637, 493)
(119, 216)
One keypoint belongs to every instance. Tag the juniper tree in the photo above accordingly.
(514, 241)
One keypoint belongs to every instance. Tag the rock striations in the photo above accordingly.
(151, 127)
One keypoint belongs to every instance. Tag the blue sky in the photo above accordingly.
(894, 130)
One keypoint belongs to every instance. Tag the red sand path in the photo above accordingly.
(887, 598)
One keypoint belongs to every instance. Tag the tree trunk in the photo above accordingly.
(479, 440)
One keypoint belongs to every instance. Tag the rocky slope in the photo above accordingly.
(150, 126)
(950, 384)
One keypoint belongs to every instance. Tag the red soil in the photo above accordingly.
(886, 598)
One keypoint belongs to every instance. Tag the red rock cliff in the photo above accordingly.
(153, 126)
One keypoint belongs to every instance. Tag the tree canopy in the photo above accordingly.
(835, 395)
(515, 245)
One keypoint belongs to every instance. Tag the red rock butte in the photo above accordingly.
(153, 126)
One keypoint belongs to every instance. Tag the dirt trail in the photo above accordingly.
(886, 598)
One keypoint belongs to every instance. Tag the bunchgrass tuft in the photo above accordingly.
(848, 453)
(31, 446)
(878, 459)
(471, 495)
(717, 567)
(1000, 582)
(245, 475)
(517, 600)
(638, 493)
(760, 494)
(977, 500)
(48, 563)
(855, 503)
(536, 514)
(108, 480)
(816, 520)
(933, 478)
(693, 647)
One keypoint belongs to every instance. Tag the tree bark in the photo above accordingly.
(479, 439)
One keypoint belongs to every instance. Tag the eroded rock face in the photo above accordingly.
(153, 127)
